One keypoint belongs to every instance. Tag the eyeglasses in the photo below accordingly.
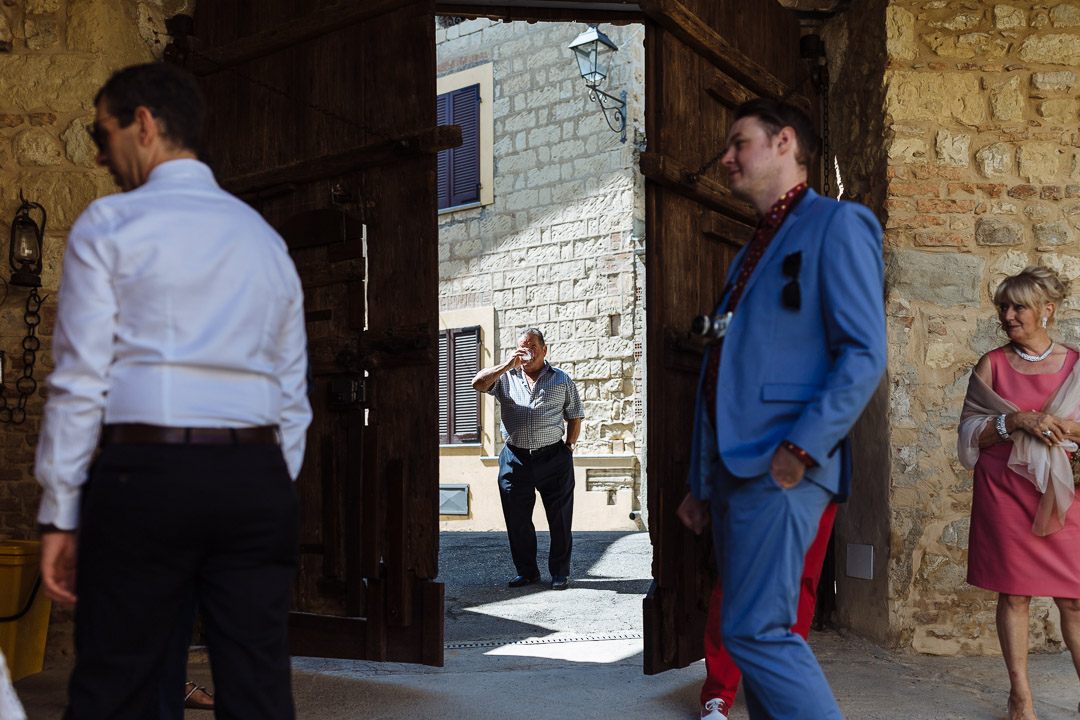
(98, 134)
(791, 295)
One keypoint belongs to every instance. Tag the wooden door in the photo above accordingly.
(703, 58)
(322, 117)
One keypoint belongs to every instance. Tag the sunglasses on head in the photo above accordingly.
(791, 295)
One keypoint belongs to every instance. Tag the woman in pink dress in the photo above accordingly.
(1018, 425)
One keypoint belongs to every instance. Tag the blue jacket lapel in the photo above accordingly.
(781, 235)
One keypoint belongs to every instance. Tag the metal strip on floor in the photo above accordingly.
(544, 641)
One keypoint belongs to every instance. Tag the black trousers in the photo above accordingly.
(159, 524)
(522, 474)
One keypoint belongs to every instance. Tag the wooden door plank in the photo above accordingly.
(312, 635)
(432, 600)
(342, 162)
(675, 176)
(619, 14)
(399, 607)
(273, 39)
(688, 27)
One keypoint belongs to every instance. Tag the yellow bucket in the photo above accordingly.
(22, 641)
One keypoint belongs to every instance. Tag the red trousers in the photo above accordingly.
(721, 675)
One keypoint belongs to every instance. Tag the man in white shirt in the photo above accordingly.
(180, 341)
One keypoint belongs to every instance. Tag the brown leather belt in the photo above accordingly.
(138, 434)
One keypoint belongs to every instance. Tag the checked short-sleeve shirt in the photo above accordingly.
(533, 418)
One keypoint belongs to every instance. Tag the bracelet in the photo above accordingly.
(1000, 426)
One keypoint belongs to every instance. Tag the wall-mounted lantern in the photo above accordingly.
(593, 51)
(24, 255)
(24, 252)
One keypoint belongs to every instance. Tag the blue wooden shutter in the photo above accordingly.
(442, 117)
(465, 169)
(465, 400)
(459, 168)
(444, 387)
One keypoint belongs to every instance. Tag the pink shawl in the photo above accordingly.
(1046, 467)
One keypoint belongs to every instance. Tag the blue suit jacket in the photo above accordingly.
(801, 375)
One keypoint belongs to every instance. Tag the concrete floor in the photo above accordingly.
(577, 654)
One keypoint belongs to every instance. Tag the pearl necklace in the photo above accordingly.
(1033, 358)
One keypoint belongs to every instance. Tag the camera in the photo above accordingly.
(712, 328)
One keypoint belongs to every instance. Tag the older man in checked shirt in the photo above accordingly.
(535, 399)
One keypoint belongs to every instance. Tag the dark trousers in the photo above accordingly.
(163, 522)
(522, 474)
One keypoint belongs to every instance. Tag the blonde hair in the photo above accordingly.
(1033, 287)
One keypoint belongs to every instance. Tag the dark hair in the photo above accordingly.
(170, 93)
(535, 333)
(775, 115)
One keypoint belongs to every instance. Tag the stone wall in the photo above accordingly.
(983, 178)
(54, 54)
(556, 247)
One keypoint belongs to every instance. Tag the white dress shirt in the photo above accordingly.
(180, 306)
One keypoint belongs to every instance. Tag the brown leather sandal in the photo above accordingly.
(197, 697)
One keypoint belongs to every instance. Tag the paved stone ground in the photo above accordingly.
(577, 654)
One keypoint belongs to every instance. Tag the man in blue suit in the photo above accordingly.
(778, 395)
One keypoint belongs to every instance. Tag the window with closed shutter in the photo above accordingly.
(459, 403)
(459, 168)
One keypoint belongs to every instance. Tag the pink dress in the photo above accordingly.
(1003, 554)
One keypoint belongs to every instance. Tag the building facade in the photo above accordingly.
(551, 238)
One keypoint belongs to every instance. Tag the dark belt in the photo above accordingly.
(533, 453)
(138, 434)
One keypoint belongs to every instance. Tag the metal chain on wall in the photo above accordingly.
(25, 385)
(826, 156)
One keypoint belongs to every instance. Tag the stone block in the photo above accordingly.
(1058, 110)
(1039, 162)
(1051, 233)
(1011, 263)
(967, 46)
(1006, 102)
(37, 147)
(940, 355)
(566, 150)
(953, 240)
(1007, 17)
(1055, 80)
(952, 149)
(1065, 16)
(40, 31)
(1022, 192)
(1054, 49)
(996, 232)
(913, 96)
(58, 83)
(104, 27)
(41, 6)
(946, 280)
(900, 40)
(907, 151)
(64, 194)
(6, 36)
(960, 21)
(994, 160)
(934, 205)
